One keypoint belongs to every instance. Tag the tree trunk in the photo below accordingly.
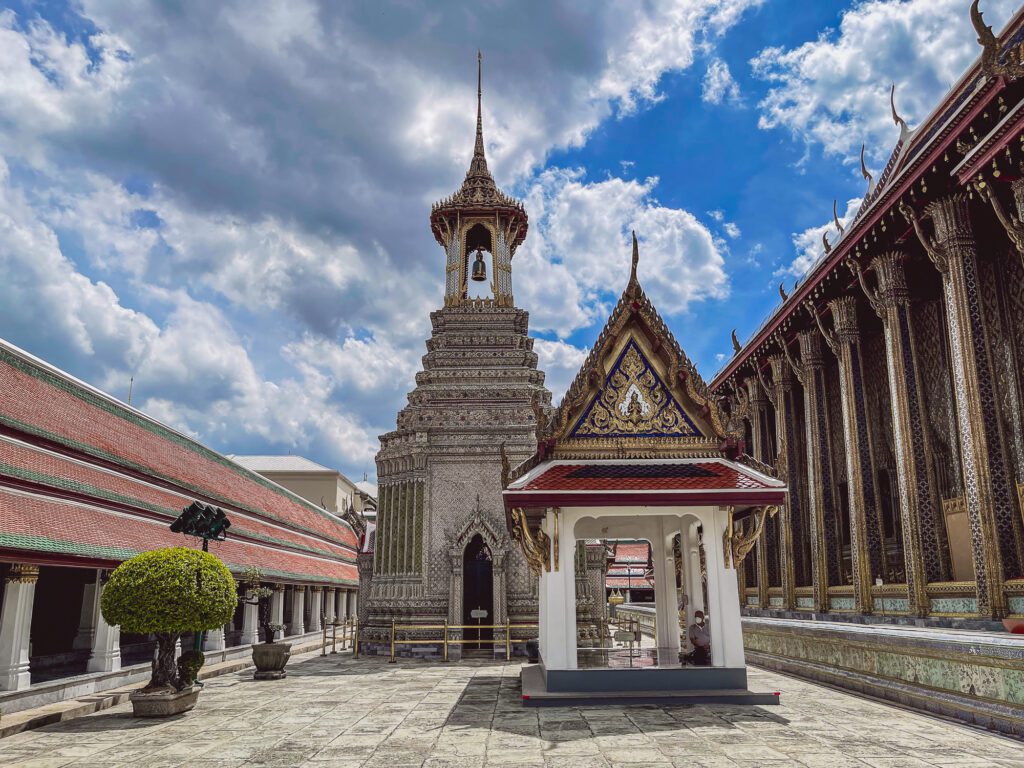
(165, 671)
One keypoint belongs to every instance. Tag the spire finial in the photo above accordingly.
(479, 148)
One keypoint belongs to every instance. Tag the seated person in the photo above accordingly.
(700, 639)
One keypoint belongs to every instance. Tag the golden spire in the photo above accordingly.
(478, 150)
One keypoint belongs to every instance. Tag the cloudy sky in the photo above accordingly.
(228, 201)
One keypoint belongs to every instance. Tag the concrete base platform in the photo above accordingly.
(536, 694)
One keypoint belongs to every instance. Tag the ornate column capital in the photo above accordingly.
(844, 319)
(299, 588)
(782, 374)
(951, 218)
(892, 280)
(755, 393)
(811, 355)
(316, 588)
(23, 573)
(278, 587)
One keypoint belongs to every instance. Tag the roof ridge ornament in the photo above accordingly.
(1012, 67)
(866, 173)
(904, 128)
(636, 261)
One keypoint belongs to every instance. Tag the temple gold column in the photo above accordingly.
(989, 499)
(810, 371)
(865, 526)
(919, 505)
(757, 404)
(790, 522)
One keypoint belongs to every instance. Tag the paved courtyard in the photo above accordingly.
(335, 711)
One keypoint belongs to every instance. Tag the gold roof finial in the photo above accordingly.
(636, 259)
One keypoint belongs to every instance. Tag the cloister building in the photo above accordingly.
(87, 481)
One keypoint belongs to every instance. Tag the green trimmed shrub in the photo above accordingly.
(167, 592)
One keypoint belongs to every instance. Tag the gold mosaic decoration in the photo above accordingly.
(634, 403)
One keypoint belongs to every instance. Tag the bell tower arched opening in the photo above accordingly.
(478, 264)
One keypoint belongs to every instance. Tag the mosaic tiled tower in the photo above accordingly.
(440, 470)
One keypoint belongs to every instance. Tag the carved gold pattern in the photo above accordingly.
(1008, 65)
(744, 539)
(23, 573)
(536, 548)
(634, 402)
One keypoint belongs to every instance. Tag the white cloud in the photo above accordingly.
(809, 246)
(719, 85)
(577, 257)
(560, 362)
(731, 230)
(258, 183)
(835, 90)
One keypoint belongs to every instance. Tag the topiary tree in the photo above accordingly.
(167, 592)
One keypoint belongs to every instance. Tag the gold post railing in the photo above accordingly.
(445, 640)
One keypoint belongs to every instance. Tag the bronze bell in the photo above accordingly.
(479, 268)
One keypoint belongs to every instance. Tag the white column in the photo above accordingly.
(16, 625)
(342, 604)
(353, 603)
(87, 618)
(105, 653)
(558, 598)
(214, 639)
(694, 580)
(298, 607)
(250, 623)
(277, 610)
(665, 601)
(316, 595)
(726, 629)
(329, 603)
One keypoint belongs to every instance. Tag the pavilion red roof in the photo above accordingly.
(643, 482)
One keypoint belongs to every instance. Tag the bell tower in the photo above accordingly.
(479, 228)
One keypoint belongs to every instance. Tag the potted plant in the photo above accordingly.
(269, 657)
(167, 592)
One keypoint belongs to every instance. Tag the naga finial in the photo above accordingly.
(825, 243)
(865, 173)
(904, 128)
(1012, 65)
(835, 218)
(736, 347)
(782, 292)
(636, 259)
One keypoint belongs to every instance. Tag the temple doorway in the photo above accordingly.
(477, 593)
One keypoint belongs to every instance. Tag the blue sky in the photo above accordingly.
(228, 202)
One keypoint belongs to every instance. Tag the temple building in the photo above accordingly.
(440, 550)
(886, 389)
(86, 482)
(639, 449)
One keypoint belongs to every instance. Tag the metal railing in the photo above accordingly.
(349, 636)
(446, 641)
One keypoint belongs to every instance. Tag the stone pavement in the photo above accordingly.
(336, 711)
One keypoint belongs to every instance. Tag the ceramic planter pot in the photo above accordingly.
(1016, 626)
(270, 660)
(164, 703)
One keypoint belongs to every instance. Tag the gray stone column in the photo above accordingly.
(298, 624)
(213, 640)
(919, 503)
(250, 623)
(277, 610)
(990, 500)
(316, 596)
(330, 601)
(16, 625)
(865, 525)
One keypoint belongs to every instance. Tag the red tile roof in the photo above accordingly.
(58, 527)
(677, 476)
(40, 401)
(620, 582)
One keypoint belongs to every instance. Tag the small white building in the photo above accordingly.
(328, 488)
